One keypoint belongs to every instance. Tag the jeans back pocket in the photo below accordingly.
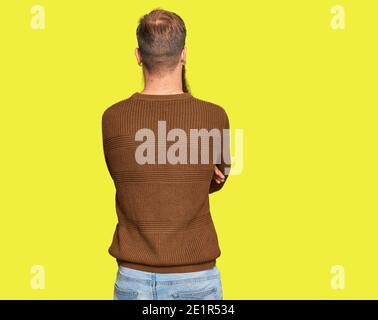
(195, 294)
(124, 293)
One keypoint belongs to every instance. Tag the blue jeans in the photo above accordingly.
(132, 284)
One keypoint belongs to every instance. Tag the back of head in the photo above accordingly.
(161, 38)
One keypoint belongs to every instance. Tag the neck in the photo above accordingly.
(163, 83)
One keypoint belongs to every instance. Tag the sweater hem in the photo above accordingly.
(168, 269)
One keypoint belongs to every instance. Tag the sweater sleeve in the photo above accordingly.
(225, 157)
(103, 126)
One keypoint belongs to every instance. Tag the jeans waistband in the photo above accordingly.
(144, 275)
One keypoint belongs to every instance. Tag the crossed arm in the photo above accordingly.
(220, 176)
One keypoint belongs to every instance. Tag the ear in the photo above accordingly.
(137, 55)
(183, 55)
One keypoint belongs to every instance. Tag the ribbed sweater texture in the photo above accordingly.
(164, 220)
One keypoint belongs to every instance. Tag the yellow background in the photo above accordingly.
(305, 95)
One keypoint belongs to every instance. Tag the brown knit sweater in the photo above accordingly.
(164, 221)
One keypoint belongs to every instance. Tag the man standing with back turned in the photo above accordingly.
(166, 151)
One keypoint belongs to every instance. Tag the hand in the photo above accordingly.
(218, 175)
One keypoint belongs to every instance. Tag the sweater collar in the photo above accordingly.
(161, 97)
